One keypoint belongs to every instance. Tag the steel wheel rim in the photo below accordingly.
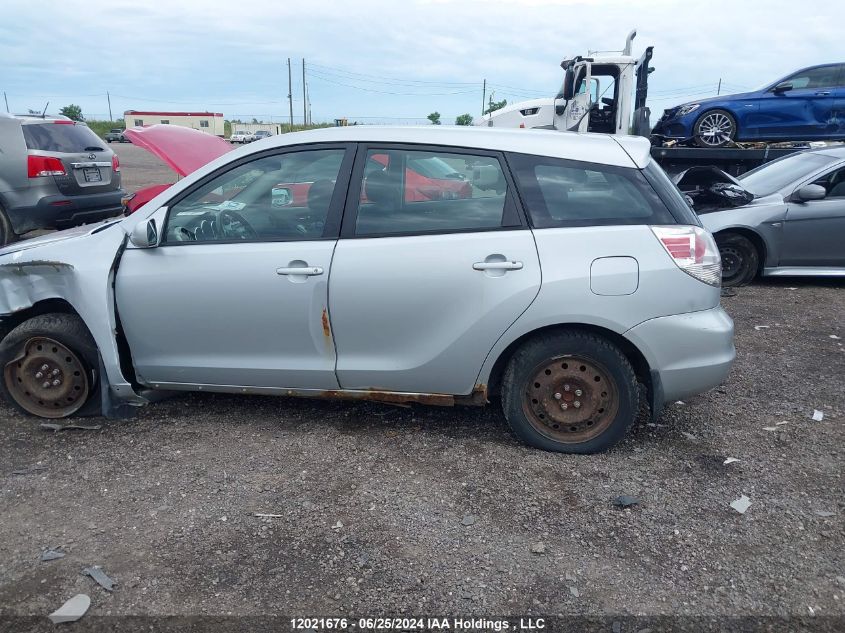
(567, 380)
(715, 129)
(47, 379)
(731, 263)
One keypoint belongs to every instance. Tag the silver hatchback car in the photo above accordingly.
(563, 273)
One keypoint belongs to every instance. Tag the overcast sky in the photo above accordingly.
(373, 59)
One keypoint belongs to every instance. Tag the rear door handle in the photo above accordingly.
(823, 93)
(308, 271)
(497, 266)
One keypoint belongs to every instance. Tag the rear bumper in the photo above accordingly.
(690, 352)
(57, 212)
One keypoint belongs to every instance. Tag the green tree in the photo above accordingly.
(434, 117)
(72, 111)
(492, 106)
(464, 119)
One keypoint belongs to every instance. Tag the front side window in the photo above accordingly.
(278, 198)
(834, 183)
(824, 77)
(560, 192)
(421, 191)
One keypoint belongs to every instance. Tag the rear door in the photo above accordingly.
(87, 161)
(421, 289)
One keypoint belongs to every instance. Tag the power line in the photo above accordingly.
(386, 92)
(383, 79)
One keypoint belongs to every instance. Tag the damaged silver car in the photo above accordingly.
(784, 218)
(397, 265)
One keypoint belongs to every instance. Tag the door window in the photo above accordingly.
(282, 197)
(421, 192)
(571, 193)
(823, 77)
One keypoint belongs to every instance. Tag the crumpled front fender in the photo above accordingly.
(79, 271)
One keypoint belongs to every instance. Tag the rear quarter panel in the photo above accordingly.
(565, 297)
(764, 218)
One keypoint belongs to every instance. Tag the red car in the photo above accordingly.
(186, 150)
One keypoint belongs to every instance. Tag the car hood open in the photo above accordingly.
(711, 189)
(183, 149)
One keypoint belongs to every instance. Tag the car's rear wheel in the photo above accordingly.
(740, 259)
(7, 234)
(715, 128)
(570, 392)
(48, 366)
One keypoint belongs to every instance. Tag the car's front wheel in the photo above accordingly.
(570, 392)
(740, 259)
(49, 366)
(715, 128)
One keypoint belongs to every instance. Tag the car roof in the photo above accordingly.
(628, 151)
(832, 150)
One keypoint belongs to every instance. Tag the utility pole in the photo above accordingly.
(6, 100)
(719, 87)
(304, 96)
(290, 96)
(483, 97)
(108, 96)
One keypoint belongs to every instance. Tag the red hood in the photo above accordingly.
(184, 149)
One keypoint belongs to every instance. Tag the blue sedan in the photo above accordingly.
(806, 105)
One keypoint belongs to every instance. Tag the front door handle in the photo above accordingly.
(823, 93)
(497, 266)
(308, 271)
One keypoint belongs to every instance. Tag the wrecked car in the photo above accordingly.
(184, 150)
(357, 289)
(784, 218)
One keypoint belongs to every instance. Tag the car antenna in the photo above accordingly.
(44, 111)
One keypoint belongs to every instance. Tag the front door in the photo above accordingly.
(236, 293)
(433, 265)
(814, 231)
(807, 111)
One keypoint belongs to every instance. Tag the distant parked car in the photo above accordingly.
(260, 134)
(806, 105)
(572, 280)
(784, 218)
(242, 137)
(54, 173)
(116, 135)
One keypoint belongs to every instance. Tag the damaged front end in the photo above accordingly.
(71, 271)
(710, 189)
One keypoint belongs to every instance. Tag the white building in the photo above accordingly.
(208, 122)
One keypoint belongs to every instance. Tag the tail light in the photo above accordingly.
(38, 166)
(693, 250)
(115, 163)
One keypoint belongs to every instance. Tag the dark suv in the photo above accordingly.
(54, 173)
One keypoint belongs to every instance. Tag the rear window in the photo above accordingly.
(60, 137)
(560, 192)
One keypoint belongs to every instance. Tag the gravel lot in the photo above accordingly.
(428, 511)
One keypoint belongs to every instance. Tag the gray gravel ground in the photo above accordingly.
(422, 511)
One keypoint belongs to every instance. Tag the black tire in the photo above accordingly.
(17, 349)
(740, 259)
(598, 428)
(705, 129)
(7, 233)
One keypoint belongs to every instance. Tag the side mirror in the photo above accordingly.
(145, 234)
(811, 192)
(783, 86)
(568, 84)
(560, 107)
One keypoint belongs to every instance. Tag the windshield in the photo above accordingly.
(774, 176)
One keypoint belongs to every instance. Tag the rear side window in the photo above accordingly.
(407, 192)
(60, 137)
(560, 192)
